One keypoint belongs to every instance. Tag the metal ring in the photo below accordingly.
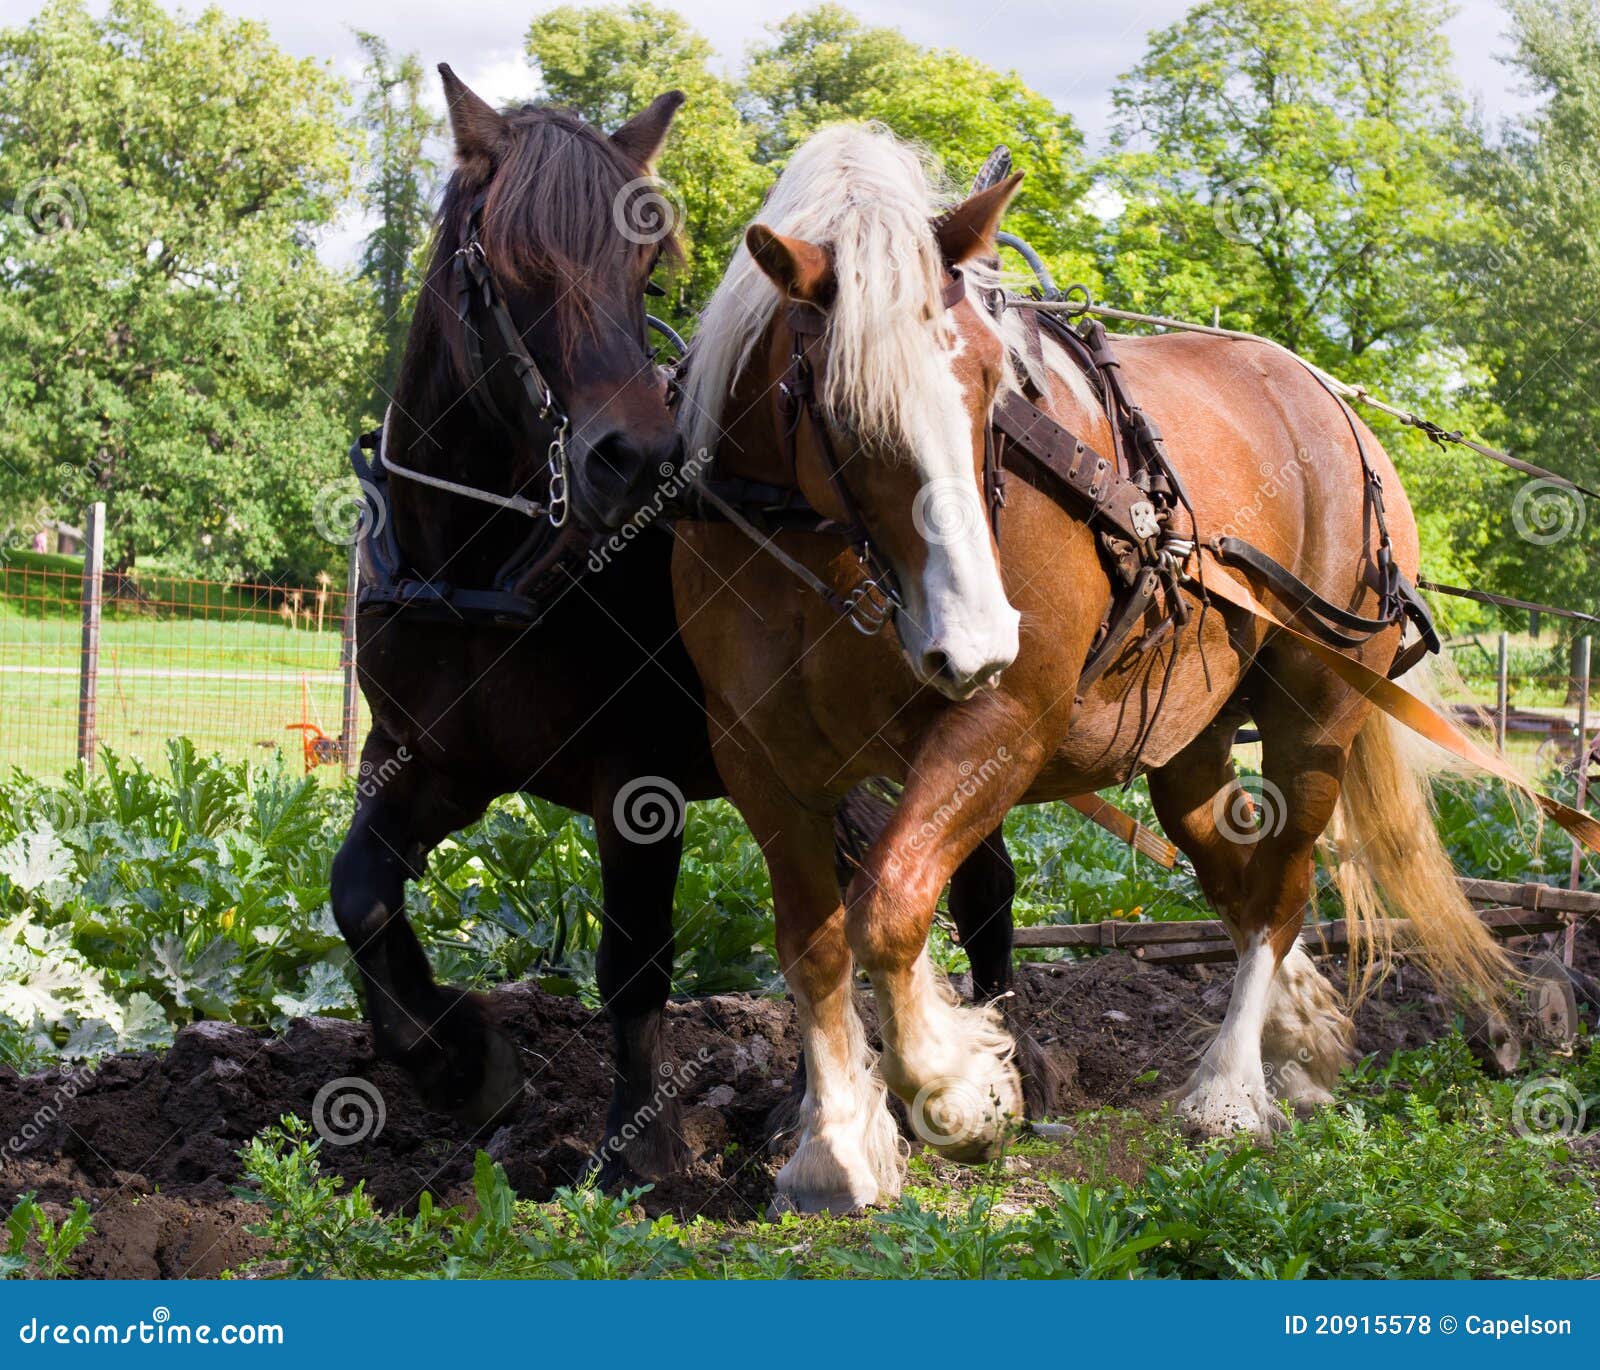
(1066, 298)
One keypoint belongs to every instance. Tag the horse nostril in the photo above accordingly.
(935, 664)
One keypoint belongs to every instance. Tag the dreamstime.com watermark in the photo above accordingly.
(973, 779)
(675, 481)
(158, 1330)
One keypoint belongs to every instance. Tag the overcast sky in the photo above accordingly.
(1071, 50)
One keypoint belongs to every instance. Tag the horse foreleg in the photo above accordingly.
(643, 1139)
(981, 891)
(952, 1064)
(849, 1153)
(441, 1035)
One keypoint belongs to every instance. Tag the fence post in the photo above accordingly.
(349, 718)
(94, 565)
(1502, 695)
(1584, 649)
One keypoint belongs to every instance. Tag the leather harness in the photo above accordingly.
(1131, 500)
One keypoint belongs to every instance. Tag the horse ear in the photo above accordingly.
(478, 127)
(800, 269)
(641, 138)
(968, 230)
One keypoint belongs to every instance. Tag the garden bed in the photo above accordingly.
(151, 1140)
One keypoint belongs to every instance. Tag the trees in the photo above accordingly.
(397, 190)
(1296, 155)
(1535, 303)
(824, 65)
(168, 341)
(1291, 164)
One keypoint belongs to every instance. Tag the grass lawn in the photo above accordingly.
(222, 665)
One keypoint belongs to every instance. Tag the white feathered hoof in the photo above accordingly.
(1308, 1037)
(1217, 1106)
(969, 1119)
(828, 1175)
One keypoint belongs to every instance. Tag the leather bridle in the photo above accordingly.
(523, 585)
(475, 289)
(877, 596)
(475, 286)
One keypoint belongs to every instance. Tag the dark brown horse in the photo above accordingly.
(851, 270)
(595, 696)
(594, 706)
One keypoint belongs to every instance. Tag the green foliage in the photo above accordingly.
(1072, 870)
(824, 65)
(1292, 165)
(397, 190)
(1529, 297)
(134, 901)
(317, 1230)
(168, 340)
(39, 1248)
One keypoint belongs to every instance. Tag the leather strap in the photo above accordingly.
(1061, 465)
(1396, 701)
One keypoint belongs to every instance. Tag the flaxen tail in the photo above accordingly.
(1390, 864)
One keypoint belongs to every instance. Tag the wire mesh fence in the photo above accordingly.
(248, 670)
(242, 669)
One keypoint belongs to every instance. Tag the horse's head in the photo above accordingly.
(570, 227)
(904, 370)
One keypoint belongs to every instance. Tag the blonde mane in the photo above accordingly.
(869, 198)
(865, 195)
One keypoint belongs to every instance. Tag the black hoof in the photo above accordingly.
(464, 1066)
(640, 1150)
(500, 1087)
(1044, 1084)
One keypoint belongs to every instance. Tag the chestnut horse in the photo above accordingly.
(802, 708)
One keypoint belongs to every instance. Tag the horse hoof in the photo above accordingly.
(650, 1155)
(501, 1085)
(1044, 1083)
(1218, 1109)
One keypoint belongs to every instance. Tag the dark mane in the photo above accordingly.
(549, 220)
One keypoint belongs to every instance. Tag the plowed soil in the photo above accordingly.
(151, 1141)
